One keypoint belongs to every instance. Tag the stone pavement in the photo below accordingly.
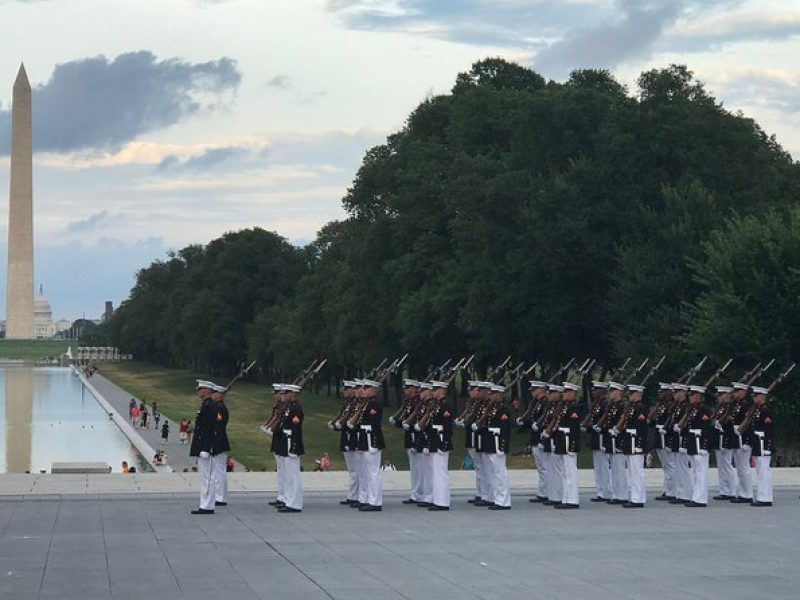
(149, 546)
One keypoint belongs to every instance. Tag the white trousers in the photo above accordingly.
(602, 474)
(555, 481)
(667, 459)
(726, 472)
(352, 475)
(426, 475)
(292, 482)
(699, 478)
(683, 482)
(744, 472)
(281, 497)
(763, 479)
(219, 477)
(482, 486)
(415, 468)
(619, 476)
(569, 468)
(502, 495)
(541, 471)
(441, 478)
(370, 484)
(636, 490)
(204, 475)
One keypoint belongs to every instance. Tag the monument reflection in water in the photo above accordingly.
(47, 416)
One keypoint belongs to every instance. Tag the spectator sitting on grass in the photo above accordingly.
(323, 463)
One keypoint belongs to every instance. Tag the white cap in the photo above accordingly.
(358, 382)
(665, 387)
(603, 385)
(501, 389)
(202, 383)
(635, 388)
(425, 386)
(738, 385)
(484, 384)
(535, 383)
(410, 383)
(277, 387)
(370, 383)
(571, 386)
(697, 389)
(220, 389)
(680, 387)
(757, 389)
(440, 384)
(724, 389)
(290, 387)
(555, 388)
(616, 386)
(473, 383)
(348, 383)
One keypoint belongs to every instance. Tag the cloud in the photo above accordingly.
(208, 159)
(721, 30)
(770, 89)
(93, 222)
(282, 82)
(97, 103)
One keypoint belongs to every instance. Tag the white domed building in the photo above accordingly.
(43, 326)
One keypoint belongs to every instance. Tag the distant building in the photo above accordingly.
(43, 326)
(62, 326)
(109, 310)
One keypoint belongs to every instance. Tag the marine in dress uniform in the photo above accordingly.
(424, 458)
(566, 445)
(619, 474)
(658, 421)
(601, 464)
(683, 486)
(696, 440)
(762, 441)
(742, 451)
(555, 466)
(369, 447)
(277, 442)
(632, 434)
(478, 392)
(723, 447)
(539, 406)
(411, 392)
(347, 445)
(496, 442)
(202, 441)
(290, 448)
(220, 448)
(439, 440)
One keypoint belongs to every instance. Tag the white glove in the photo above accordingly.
(391, 420)
(535, 427)
(204, 454)
(406, 426)
(613, 431)
(736, 430)
(676, 429)
(545, 435)
(519, 421)
(596, 428)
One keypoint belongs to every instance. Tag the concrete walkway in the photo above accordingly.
(130, 548)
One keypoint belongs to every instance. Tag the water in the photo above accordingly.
(47, 416)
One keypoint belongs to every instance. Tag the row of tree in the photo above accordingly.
(513, 215)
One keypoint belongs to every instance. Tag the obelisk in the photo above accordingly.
(19, 285)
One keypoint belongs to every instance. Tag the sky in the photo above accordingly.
(162, 123)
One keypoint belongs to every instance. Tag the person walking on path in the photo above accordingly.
(135, 416)
(183, 431)
(164, 433)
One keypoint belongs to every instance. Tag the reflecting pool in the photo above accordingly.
(47, 416)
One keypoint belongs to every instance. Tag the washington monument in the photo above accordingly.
(19, 286)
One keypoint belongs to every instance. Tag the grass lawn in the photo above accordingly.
(34, 349)
(251, 403)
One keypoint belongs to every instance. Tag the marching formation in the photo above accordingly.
(682, 427)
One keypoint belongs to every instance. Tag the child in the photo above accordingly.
(164, 433)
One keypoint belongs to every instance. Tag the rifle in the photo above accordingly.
(717, 373)
(372, 373)
(309, 375)
(687, 377)
(242, 372)
(439, 369)
(745, 424)
(499, 367)
(779, 379)
(563, 369)
(636, 371)
(619, 370)
(750, 373)
(759, 372)
(653, 370)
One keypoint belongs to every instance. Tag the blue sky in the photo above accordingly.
(160, 123)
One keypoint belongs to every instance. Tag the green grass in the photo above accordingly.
(251, 403)
(34, 349)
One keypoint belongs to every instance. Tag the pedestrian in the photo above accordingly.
(131, 406)
(156, 416)
(135, 416)
(164, 433)
(183, 430)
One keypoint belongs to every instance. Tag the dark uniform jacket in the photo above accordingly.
(220, 443)
(471, 438)
(549, 414)
(567, 434)
(409, 434)
(718, 435)
(595, 439)
(736, 415)
(633, 436)
(673, 438)
(439, 433)
(497, 434)
(290, 431)
(611, 443)
(760, 433)
(536, 414)
(370, 435)
(203, 437)
(699, 430)
(659, 426)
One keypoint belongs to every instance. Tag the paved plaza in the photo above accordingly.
(147, 545)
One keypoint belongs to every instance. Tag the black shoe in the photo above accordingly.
(424, 504)
(498, 507)
(633, 505)
(757, 503)
(289, 509)
(615, 501)
(474, 500)
(481, 503)
(436, 507)
(357, 505)
(538, 499)
(568, 506)
(663, 497)
(549, 503)
(347, 502)
(220, 504)
(741, 500)
(677, 501)
(410, 501)
(202, 511)
(276, 503)
(724, 497)
(370, 508)
(692, 504)
(597, 499)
